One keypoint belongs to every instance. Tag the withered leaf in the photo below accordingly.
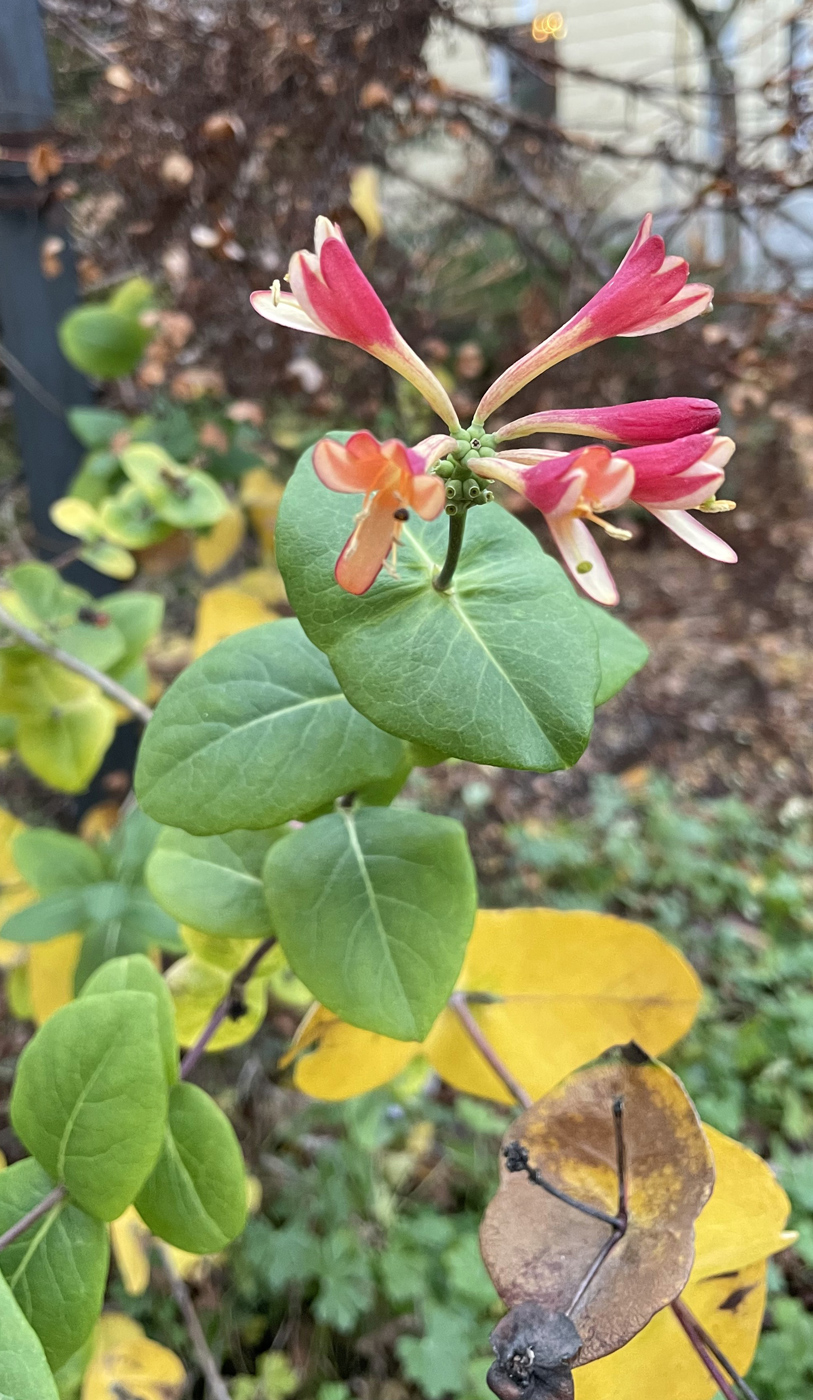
(538, 1247)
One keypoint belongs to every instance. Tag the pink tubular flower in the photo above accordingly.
(394, 481)
(331, 296)
(667, 478)
(650, 421)
(648, 293)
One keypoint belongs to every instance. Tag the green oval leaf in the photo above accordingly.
(25, 1372)
(195, 1196)
(95, 427)
(137, 974)
(90, 1099)
(501, 669)
(101, 342)
(57, 1269)
(213, 883)
(253, 733)
(373, 909)
(621, 652)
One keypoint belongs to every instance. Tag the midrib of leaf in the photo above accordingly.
(186, 1175)
(460, 613)
(76, 1110)
(266, 719)
(52, 1216)
(355, 846)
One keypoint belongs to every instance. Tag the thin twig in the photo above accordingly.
(516, 1160)
(110, 687)
(186, 1307)
(686, 1321)
(36, 1213)
(683, 1312)
(24, 376)
(232, 1002)
(459, 1004)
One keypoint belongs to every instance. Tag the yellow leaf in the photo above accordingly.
(76, 517)
(125, 1361)
(51, 967)
(744, 1222)
(3, 1161)
(266, 584)
(569, 985)
(130, 1243)
(224, 611)
(14, 892)
(364, 199)
(197, 988)
(737, 1230)
(261, 494)
(99, 822)
(225, 953)
(566, 986)
(344, 1061)
(661, 1350)
(214, 550)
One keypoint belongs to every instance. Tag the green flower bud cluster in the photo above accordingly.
(464, 488)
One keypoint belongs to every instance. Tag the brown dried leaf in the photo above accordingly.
(538, 1248)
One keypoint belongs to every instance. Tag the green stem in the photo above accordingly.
(457, 525)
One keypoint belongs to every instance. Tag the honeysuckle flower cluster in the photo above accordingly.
(668, 456)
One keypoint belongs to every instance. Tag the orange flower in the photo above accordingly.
(394, 481)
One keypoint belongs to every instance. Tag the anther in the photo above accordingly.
(401, 513)
(584, 567)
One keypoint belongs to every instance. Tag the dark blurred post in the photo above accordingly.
(35, 290)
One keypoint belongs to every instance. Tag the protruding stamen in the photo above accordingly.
(715, 507)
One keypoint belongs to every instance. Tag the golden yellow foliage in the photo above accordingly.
(211, 552)
(364, 199)
(197, 988)
(14, 892)
(51, 967)
(261, 493)
(125, 1361)
(738, 1229)
(224, 611)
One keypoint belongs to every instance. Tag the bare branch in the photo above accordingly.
(32, 1216)
(110, 687)
(200, 1346)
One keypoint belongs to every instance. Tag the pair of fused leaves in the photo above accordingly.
(98, 1103)
(61, 724)
(549, 990)
(503, 668)
(700, 1210)
(95, 891)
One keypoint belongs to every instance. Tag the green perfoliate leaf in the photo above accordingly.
(57, 1269)
(25, 1372)
(253, 733)
(500, 669)
(137, 974)
(90, 1098)
(52, 861)
(138, 617)
(373, 909)
(195, 1196)
(214, 883)
(621, 653)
